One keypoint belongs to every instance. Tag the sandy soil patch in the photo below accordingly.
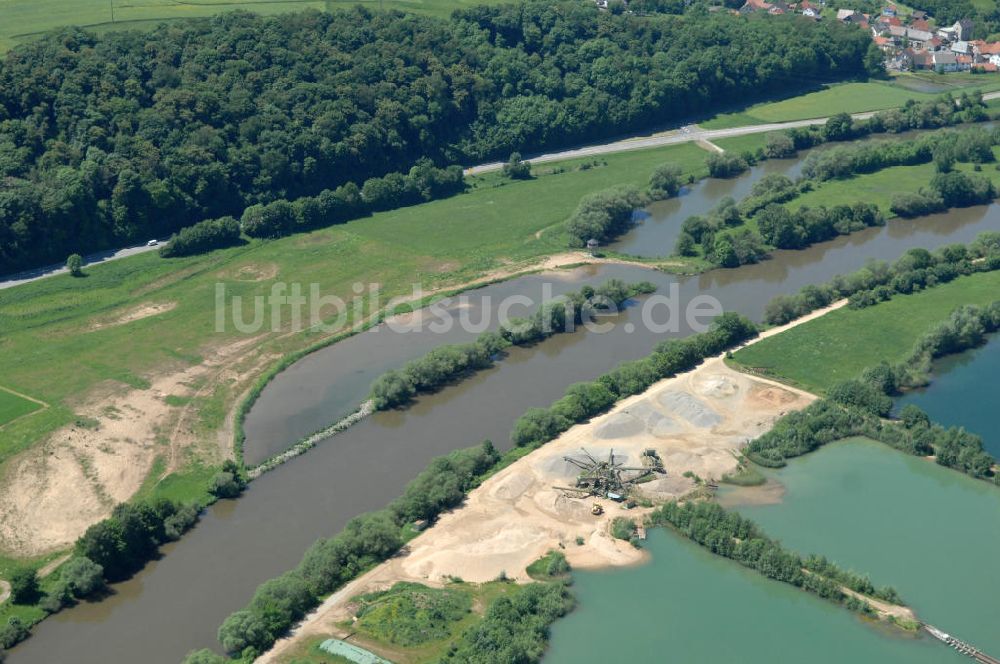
(518, 514)
(251, 272)
(135, 313)
(51, 493)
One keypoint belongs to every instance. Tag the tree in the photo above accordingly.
(665, 182)
(839, 127)
(82, 576)
(685, 245)
(24, 585)
(779, 146)
(75, 265)
(204, 656)
(516, 169)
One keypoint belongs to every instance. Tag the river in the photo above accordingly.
(176, 604)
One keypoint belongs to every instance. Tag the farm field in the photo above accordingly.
(837, 346)
(25, 19)
(854, 98)
(138, 318)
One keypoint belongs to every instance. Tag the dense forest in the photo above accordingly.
(115, 138)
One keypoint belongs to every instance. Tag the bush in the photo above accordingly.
(516, 169)
(132, 535)
(203, 236)
(909, 205)
(862, 396)
(514, 628)
(726, 165)
(605, 214)
(623, 528)
(229, 482)
(779, 146)
(665, 182)
(82, 576)
(204, 656)
(24, 585)
(75, 265)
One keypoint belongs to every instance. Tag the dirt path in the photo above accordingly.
(695, 421)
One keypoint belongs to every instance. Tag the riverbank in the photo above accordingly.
(695, 421)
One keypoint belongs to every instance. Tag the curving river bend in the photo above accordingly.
(176, 604)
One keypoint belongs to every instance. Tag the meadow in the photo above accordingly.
(13, 406)
(856, 97)
(64, 337)
(837, 346)
(25, 19)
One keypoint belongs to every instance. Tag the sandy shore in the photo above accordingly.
(695, 421)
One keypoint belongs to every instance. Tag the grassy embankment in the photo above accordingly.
(61, 339)
(855, 98)
(878, 187)
(410, 623)
(837, 346)
(24, 20)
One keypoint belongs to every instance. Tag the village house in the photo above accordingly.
(944, 61)
(914, 38)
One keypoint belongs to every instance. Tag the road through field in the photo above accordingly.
(682, 135)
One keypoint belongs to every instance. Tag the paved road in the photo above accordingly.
(27, 276)
(682, 135)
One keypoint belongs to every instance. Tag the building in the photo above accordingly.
(944, 61)
(962, 48)
(914, 38)
(963, 28)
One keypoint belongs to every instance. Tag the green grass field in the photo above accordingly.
(13, 406)
(877, 187)
(25, 19)
(52, 349)
(854, 98)
(837, 346)
(747, 143)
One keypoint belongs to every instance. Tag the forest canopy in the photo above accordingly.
(124, 136)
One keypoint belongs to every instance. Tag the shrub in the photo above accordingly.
(604, 214)
(82, 576)
(623, 528)
(75, 265)
(24, 585)
(665, 182)
(203, 236)
(726, 165)
(779, 146)
(516, 168)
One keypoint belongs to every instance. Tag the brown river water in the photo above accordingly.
(177, 603)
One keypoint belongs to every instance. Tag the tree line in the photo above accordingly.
(371, 538)
(113, 138)
(732, 536)
(878, 281)
(112, 550)
(857, 407)
(449, 362)
(584, 400)
(718, 236)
